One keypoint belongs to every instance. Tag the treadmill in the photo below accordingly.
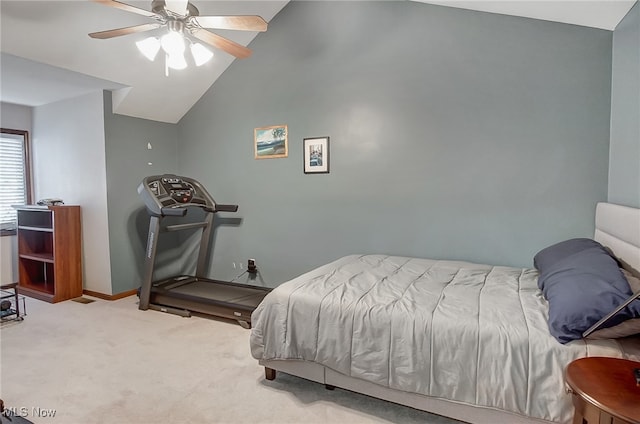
(173, 195)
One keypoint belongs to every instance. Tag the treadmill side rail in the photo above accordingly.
(182, 312)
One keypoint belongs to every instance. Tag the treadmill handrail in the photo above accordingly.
(180, 227)
(173, 211)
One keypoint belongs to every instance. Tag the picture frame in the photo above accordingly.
(271, 142)
(315, 155)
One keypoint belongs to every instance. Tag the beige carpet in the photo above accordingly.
(108, 362)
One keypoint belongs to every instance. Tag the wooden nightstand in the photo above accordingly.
(604, 391)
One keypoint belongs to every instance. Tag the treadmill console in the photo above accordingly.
(170, 194)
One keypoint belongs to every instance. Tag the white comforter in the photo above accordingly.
(460, 331)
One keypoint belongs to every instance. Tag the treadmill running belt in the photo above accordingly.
(222, 293)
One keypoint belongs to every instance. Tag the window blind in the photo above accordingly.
(12, 178)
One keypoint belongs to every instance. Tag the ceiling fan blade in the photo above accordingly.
(179, 7)
(123, 31)
(222, 43)
(126, 7)
(241, 23)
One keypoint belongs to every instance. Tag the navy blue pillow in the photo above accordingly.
(557, 252)
(583, 286)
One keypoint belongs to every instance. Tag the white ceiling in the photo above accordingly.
(603, 14)
(48, 56)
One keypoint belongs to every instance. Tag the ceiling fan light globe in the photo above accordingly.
(149, 47)
(176, 61)
(201, 54)
(173, 43)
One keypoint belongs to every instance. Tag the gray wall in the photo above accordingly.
(69, 162)
(15, 117)
(128, 161)
(624, 171)
(454, 134)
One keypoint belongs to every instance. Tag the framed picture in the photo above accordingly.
(271, 142)
(316, 155)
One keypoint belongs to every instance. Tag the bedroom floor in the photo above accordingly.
(108, 362)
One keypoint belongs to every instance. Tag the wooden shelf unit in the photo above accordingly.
(50, 252)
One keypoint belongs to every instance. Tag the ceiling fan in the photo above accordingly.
(183, 18)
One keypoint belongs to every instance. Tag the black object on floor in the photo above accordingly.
(9, 417)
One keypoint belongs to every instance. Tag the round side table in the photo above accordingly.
(604, 390)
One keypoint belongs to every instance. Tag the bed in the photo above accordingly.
(473, 342)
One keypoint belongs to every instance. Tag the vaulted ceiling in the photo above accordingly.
(47, 55)
(55, 32)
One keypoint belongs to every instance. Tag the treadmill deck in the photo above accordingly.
(211, 297)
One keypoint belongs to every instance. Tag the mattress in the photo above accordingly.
(469, 333)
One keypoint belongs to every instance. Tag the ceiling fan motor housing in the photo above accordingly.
(175, 25)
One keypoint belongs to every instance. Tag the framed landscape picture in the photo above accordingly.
(316, 155)
(270, 142)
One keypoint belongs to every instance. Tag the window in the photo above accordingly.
(14, 176)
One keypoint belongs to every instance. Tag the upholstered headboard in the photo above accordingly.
(618, 228)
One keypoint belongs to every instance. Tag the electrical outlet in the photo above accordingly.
(234, 265)
(251, 266)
